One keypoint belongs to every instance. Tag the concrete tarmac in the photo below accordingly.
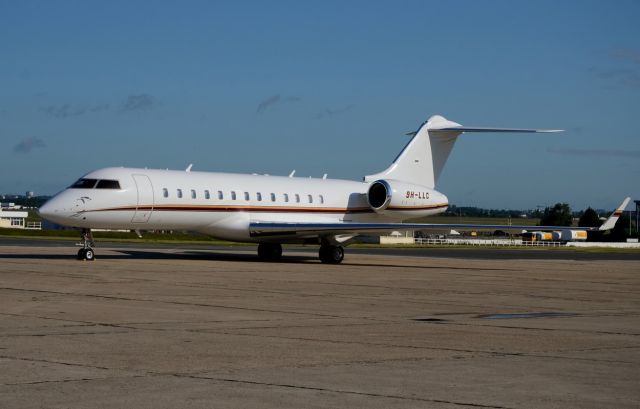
(169, 327)
(479, 252)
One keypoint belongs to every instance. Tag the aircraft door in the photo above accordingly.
(144, 207)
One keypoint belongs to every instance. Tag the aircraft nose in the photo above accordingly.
(50, 210)
(46, 210)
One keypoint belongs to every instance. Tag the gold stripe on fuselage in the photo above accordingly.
(258, 209)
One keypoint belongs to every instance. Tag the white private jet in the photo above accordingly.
(271, 210)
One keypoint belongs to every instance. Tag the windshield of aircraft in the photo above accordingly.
(108, 184)
(84, 184)
(95, 183)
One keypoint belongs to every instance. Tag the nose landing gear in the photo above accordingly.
(87, 243)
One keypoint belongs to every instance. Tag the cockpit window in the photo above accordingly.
(84, 184)
(108, 184)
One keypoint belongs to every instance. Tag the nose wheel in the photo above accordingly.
(87, 243)
(86, 254)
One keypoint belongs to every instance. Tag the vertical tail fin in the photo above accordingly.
(423, 158)
(613, 219)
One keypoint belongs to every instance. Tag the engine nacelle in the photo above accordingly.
(379, 195)
(405, 200)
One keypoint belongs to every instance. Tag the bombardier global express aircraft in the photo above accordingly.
(271, 210)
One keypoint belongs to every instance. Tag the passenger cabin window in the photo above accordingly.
(310, 198)
(259, 196)
(233, 195)
(165, 192)
(246, 196)
(193, 194)
(179, 192)
(297, 198)
(321, 199)
(286, 197)
(273, 197)
(84, 184)
(220, 195)
(207, 195)
(108, 184)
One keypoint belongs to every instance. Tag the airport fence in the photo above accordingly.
(33, 225)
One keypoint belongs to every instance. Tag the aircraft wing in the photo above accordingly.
(265, 229)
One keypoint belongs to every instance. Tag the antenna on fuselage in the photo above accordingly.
(293, 172)
(188, 169)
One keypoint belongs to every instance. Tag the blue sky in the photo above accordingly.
(325, 87)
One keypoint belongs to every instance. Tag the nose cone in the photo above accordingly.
(52, 210)
(47, 210)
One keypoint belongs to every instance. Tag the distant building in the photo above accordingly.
(29, 194)
(9, 206)
(14, 220)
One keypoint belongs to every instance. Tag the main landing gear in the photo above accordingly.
(330, 254)
(87, 243)
(270, 251)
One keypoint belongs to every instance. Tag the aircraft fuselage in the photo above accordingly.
(223, 204)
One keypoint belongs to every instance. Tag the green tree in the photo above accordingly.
(558, 215)
(589, 219)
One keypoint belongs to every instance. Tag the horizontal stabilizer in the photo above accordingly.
(462, 129)
(423, 158)
(439, 123)
(479, 129)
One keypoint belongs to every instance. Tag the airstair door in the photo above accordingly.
(144, 206)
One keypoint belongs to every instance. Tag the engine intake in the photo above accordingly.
(379, 195)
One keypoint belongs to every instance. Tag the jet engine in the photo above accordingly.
(406, 199)
(379, 195)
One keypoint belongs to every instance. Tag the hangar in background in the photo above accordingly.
(11, 219)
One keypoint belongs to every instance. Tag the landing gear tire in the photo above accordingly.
(89, 255)
(331, 254)
(86, 254)
(270, 251)
(86, 241)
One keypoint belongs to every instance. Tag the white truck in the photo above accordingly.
(570, 235)
(557, 235)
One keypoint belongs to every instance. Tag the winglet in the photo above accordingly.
(611, 221)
